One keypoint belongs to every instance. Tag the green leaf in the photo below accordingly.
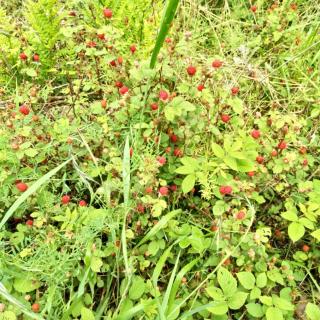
(8, 315)
(30, 152)
(227, 282)
(295, 231)
(255, 293)
(137, 288)
(275, 276)
(245, 165)
(261, 280)
(188, 183)
(312, 311)
(236, 104)
(24, 285)
(31, 72)
(282, 304)
(266, 300)
(236, 301)
(96, 264)
(246, 279)
(255, 310)
(219, 308)
(273, 313)
(231, 162)
(289, 215)
(316, 234)
(184, 170)
(215, 293)
(217, 150)
(87, 314)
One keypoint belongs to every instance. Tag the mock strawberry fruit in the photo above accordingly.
(154, 106)
(133, 48)
(255, 134)
(82, 203)
(282, 145)
(217, 64)
(225, 118)
(123, 90)
(200, 87)
(23, 56)
(164, 191)
(225, 190)
(24, 110)
(107, 13)
(163, 95)
(161, 160)
(191, 70)
(36, 58)
(22, 187)
(234, 90)
(65, 199)
(260, 159)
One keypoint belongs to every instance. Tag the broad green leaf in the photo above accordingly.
(217, 150)
(137, 288)
(7, 315)
(266, 300)
(282, 304)
(245, 165)
(96, 264)
(275, 276)
(295, 231)
(255, 310)
(312, 311)
(215, 293)
(289, 215)
(236, 301)
(236, 104)
(273, 313)
(219, 308)
(87, 314)
(231, 162)
(227, 282)
(246, 279)
(24, 285)
(184, 170)
(316, 234)
(261, 280)
(188, 183)
(255, 293)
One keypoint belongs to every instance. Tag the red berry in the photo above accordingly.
(35, 307)
(225, 118)
(119, 84)
(214, 228)
(274, 153)
(154, 106)
(123, 90)
(191, 70)
(253, 8)
(163, 191)
(200, 87)
(240, 215)
(113, 63)
(173, 138)
(277, 233)
(216, 64)
(255, 134)
(72, 13)
(167, 150)
(24, 110)
(303, 150)
(224, 190)
(140, 208)
(82, 203)
(251, 173)
(173, 187)
(65, 199)
(305, 248)
(101, 36)
(168, 40)
(161, 160)
(29, 223)
(36, 58)
(148, 190)
(131, 152)
(22, 187)
(177, 152)
(133, 48)
(103, 103)
(163, 95)
(107, 13)
(282, 145)
(23, 56)
(234, 90)
(305, 162)
(91, 44)
(260, 159)
(120, 60)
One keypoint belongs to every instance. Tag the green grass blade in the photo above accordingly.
(177, 282)
(160, 225)
(169, 289)
(30, 191)
(164, 28)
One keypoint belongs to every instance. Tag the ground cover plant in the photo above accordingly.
(159, 159)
